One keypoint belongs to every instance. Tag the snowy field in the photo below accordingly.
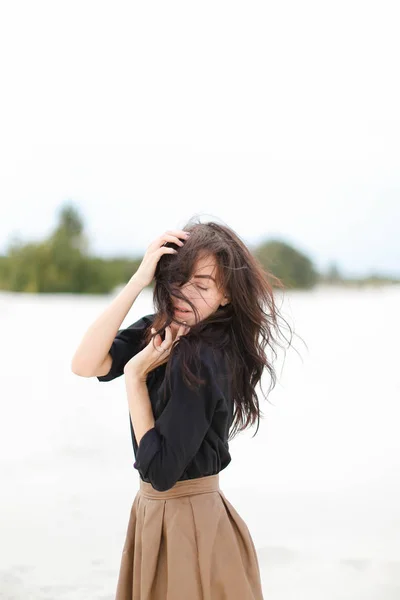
(318, 486)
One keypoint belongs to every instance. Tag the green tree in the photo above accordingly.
(61, 263)
(291, 266)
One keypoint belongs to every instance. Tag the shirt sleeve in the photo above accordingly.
(165, 450)
(125, 345)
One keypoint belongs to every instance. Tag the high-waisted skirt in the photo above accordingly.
(187, 543)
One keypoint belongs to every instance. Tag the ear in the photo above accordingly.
(225, 301)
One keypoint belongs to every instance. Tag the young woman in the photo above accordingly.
(190, 371)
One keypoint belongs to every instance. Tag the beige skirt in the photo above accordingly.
(187, 543)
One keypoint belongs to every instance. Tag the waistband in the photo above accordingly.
(186, 487)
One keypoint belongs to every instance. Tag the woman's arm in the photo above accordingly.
(156, 353)
(166, 446)
(140, 410)
(96, 342)
(92, 351)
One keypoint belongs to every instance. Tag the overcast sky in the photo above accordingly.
(278, 118)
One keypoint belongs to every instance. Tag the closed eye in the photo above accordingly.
(202, 288)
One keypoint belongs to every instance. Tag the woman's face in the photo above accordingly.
(202, 290)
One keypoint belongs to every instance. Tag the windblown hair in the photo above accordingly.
(242, 329)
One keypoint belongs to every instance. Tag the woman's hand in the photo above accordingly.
(147, 267)
(154, 354)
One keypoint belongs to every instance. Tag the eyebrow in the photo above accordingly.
(204, 277)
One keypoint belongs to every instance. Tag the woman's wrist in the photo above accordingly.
(134, 373)
(136, 282)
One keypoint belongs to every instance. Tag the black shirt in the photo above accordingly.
(190, 435)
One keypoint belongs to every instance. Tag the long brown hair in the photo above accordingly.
(243, 329)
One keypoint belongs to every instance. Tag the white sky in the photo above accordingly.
(278, 118)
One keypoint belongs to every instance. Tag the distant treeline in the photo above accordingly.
(62, 263)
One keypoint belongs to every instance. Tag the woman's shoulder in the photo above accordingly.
(203, 359)
(137, 328)
(134, 333)
(143, 322)
(211, 354)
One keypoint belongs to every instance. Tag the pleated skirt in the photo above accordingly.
(187, 543)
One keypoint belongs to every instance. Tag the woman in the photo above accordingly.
(190, 372)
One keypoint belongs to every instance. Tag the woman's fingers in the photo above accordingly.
(182, 330)
(158, 345)
(168, 337)
(174, 236)
(166, 343)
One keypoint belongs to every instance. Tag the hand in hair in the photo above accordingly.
(147, 267)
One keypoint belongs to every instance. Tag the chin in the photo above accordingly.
(177, 320)
(181, 320)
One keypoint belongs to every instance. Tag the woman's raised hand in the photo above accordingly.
(154, 354)
(147, 267)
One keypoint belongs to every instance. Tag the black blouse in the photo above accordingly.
(190, 434)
